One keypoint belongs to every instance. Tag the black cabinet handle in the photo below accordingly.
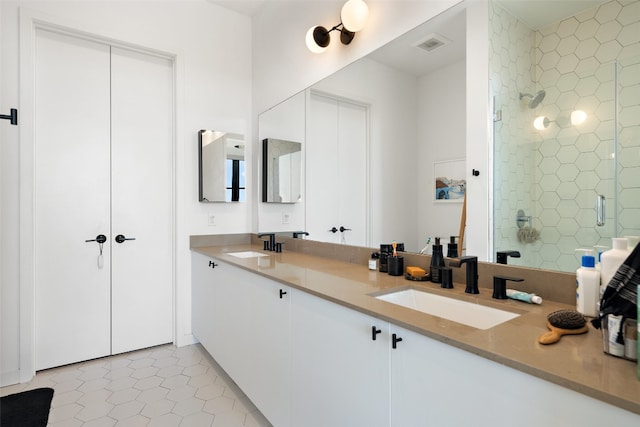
(212, 264)
(342, 229)
(394, 340)
(121, 238)
(100, 238)
(333, 230)
(374, 332)
(282, 293)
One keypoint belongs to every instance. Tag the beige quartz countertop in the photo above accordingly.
(576, 362)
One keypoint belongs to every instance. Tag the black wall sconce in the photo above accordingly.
(13, 116)
(353, 17)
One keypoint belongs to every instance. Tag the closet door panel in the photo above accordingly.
(72, 303)
(142, 135)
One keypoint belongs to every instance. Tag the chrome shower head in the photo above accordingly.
(535, 99)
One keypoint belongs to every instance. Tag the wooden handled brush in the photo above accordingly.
(563, 322)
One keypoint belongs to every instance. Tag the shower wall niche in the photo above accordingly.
(586, 62)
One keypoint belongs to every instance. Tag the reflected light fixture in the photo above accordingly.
(541, 122)
(578, 117)
(353, 18)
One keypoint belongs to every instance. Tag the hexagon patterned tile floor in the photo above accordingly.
(160, 386)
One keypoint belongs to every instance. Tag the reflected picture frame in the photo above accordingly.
(449, 181)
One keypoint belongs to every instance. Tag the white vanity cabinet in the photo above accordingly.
(340, 375)
(242, 320)
(306, 361)
(433, 383)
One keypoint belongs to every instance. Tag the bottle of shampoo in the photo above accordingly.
(437, 262)
(587, 286)
(611, 260)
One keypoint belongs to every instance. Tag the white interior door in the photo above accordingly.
(141, 177)
(72, 189)
(337, 174)
(104, 132)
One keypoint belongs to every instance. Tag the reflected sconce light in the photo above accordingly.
(577, 118)
(353, 18)
(541, 122)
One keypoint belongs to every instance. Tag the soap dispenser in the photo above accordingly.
(437, 262)
(452, 247)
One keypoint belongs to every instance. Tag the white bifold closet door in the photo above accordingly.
(336, 165)
(103, 166)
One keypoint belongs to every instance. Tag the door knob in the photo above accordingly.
(333, 230)
(120, 238)
(100, 238)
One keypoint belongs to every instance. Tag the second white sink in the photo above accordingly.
(468, 313)
(246, 254)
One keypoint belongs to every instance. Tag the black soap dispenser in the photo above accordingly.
(437, 262)
(452, 247)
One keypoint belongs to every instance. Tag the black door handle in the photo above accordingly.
(120, 238)
(100, 238)
(212, 264)
(374, 332)
(342, 229)
(333, 230)
(394, 340)
(282, 293)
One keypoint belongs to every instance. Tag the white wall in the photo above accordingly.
(213, 48)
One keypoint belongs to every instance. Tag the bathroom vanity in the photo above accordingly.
(305, 338)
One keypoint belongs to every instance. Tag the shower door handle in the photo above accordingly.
(600, 210)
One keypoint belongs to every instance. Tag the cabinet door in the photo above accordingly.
(340, 376)
(231, 316)
(202, 300)
(269, 386)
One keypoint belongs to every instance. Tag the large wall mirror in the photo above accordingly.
(543, 63)
(221, 167)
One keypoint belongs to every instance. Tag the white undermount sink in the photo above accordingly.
(246, 254)
(467, 313)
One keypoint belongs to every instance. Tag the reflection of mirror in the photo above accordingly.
(281, 171)
(221, 167)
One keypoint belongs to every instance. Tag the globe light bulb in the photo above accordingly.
(311, 42)
(541, 123)
(354, 15)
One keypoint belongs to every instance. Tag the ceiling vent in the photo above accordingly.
(432, 42)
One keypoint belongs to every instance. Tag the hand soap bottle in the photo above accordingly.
(587, 285)
(437, 262)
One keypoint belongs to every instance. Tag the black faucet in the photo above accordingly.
(501, 256)
(269, 245)
(500, 286)
(472, 272)
(296, 234)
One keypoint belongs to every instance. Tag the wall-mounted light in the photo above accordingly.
(577, 117)
(541, 122)
(353, 18)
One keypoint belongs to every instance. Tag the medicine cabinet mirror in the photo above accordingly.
(281, 163)
(221, 167)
